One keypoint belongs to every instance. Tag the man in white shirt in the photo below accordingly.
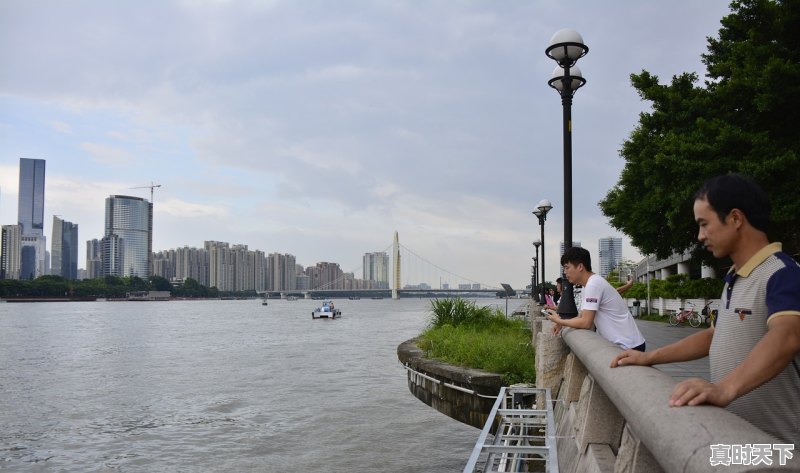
(602, 305)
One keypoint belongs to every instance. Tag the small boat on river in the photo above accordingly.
(326, 311)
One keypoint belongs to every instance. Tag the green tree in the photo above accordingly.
(157, 283)
(743, 120)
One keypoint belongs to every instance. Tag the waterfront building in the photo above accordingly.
(94, 259)
(10, 244)
(303, 282)
(33, 256)
(220, 265)
(31, 196)
(30, 217)
(325, 275)
(64, 254)
(282, 272)
(376, 268)
(192, 263)
(610, 254)
(110, 255)
(164, 264)
(129, 237)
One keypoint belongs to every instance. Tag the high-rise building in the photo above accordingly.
(574, 244)
(610, 254)
(33, 254)
(327, 276)
(10, 258)
(220, 265)
(130, 220)
(94, 259)
(30, 217)
(31, 196)
(192, 263)
(376, 268)
(282, 272)
(64, 254)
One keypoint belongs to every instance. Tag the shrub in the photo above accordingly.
(463, 334)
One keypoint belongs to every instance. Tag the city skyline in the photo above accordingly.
(317, 130)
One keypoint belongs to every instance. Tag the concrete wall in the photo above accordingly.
(618, 420)
(470, 404)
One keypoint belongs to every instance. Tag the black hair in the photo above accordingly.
(577, 255)
(736, 191)
(559, 280)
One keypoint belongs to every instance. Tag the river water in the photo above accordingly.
(217, 386)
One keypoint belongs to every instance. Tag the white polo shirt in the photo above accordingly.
(612, 317)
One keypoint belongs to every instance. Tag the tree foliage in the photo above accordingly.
(108, 286)
(743, 120)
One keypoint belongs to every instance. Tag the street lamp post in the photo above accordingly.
(537, 243)
(566, 47)
(541, 213)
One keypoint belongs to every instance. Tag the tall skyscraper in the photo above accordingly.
(30, 217)
(64, 254)
(128, 240)
(610, 254)
(31, 196)
(376, 268)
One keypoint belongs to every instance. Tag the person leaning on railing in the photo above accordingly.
(601, 306)
(754, 344)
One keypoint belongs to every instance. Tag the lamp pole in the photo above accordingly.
(566, 47)
(537, 243)
(541, 213)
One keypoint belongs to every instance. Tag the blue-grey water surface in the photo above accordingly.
(216, 386)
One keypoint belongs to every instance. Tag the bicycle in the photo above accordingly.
(686, 315)
(709, 315)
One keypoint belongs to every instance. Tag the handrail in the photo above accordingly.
(679, 438)
(446, 384)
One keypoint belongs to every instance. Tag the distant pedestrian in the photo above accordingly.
(554, 297)
(754, 344)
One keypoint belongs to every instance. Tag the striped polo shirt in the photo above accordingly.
(767, 286)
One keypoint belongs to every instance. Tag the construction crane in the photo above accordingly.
(152, 187)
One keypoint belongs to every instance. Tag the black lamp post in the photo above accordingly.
(537, 243)
(566, 47)
(541, 213)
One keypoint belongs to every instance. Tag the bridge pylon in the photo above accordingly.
(396, 266)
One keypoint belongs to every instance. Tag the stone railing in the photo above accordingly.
(618, 419)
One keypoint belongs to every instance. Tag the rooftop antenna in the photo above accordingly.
(152, 187)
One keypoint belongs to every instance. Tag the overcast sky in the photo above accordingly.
(318, 128)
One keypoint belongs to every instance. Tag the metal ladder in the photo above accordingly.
(525, 439)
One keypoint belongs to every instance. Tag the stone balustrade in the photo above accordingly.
(618, 419)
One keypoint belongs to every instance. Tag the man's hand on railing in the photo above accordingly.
(631, 357)
(696, 391)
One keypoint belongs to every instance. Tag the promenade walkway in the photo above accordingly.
(659, 334)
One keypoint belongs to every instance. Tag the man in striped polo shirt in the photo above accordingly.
(754, 345)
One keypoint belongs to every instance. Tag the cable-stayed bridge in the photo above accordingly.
(409, 275)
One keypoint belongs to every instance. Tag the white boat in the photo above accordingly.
(326, 311)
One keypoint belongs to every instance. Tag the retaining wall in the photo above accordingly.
(464, 394)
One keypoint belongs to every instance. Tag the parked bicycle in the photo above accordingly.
(709, 315)
(686, 315)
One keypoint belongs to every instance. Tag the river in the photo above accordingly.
(217, 386)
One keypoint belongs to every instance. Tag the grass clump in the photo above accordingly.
(464, 334)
